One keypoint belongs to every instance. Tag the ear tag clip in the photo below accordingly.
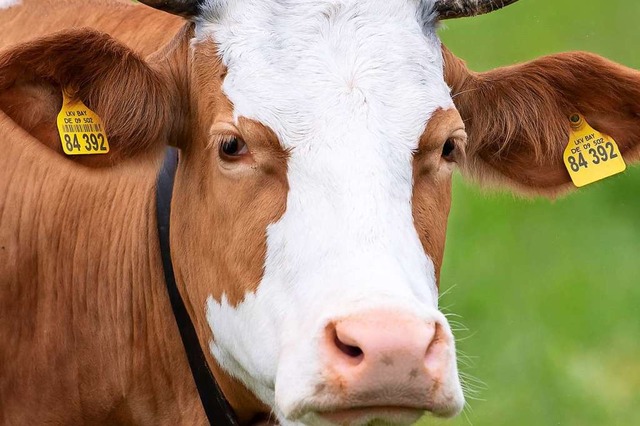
(591, 156)
(81, 130)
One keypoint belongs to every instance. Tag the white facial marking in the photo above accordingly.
(348, 87)
(6, 4)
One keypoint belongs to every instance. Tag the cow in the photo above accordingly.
(317, 142)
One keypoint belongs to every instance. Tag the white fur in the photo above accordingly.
(348, 86)
(6, 4)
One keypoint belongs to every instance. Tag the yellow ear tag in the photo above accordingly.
(591, 156)
(81, 130)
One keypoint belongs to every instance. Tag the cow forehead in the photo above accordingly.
(319, 70)
(348, 87)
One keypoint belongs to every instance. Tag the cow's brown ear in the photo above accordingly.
(127, 94)
(517, 117)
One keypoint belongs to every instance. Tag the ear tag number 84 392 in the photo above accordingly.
(81, 130)
(591, 156)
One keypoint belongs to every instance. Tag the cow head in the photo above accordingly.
(329, 136)
(318, 139)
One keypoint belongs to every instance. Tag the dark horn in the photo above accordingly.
(450, 9)
(186, 8)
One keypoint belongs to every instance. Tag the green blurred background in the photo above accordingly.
(551, 307)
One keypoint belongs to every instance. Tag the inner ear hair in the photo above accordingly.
(128, 95)
(517, 117)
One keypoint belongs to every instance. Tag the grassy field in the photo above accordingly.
(549, 291)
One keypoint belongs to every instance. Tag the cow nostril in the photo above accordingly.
(344, 345)
(349, 350)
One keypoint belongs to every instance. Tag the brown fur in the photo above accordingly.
(99, 344)
(91, 65)
(517, 117)
(34, 104)
(432, 183)
(142, 29)
(86, 327)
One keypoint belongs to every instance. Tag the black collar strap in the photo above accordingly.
(215, 405)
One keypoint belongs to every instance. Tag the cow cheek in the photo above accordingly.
(222, 226)
(431, 206)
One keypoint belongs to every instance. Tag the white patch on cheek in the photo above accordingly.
(253, 360)
(6, 4)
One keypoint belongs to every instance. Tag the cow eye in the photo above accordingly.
(448, 150)
(233, 147)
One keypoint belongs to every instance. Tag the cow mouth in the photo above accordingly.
(374, 415)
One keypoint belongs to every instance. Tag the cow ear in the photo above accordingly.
(517, 117)
(128, 95)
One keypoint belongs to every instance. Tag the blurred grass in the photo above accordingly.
(550, 291)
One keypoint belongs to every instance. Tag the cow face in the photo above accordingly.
(320, 171)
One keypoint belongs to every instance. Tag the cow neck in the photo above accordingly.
(216, 407)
